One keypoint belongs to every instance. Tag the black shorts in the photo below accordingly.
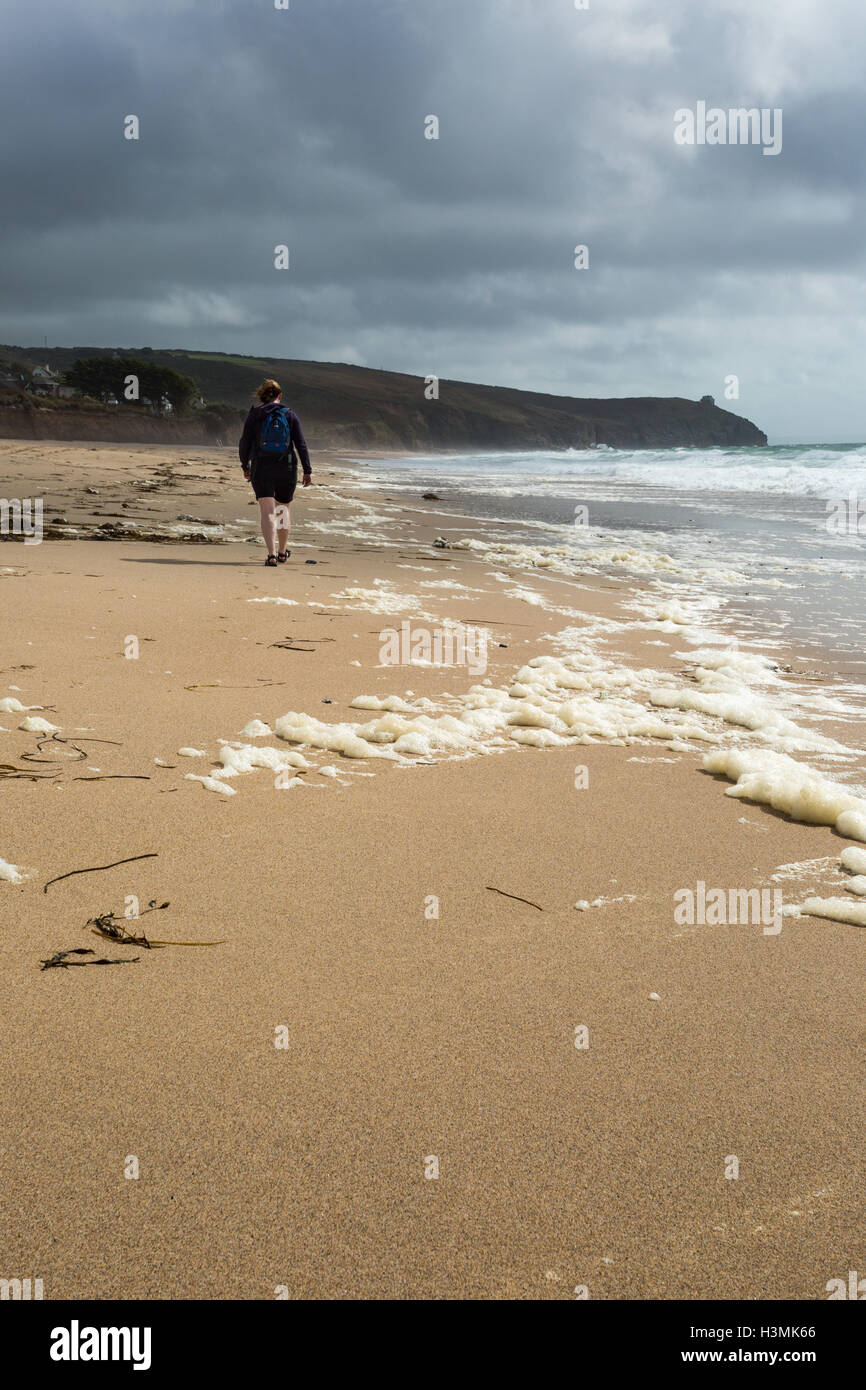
(277, 479)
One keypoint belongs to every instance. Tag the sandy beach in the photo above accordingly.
(405, 1064)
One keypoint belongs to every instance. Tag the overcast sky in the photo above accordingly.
(452, 257)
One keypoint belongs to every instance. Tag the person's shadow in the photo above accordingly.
(165, 560)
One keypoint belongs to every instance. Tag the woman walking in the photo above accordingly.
(267, 446)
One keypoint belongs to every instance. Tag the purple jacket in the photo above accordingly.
(253, 424)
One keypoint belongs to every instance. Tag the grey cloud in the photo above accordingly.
(306, 127)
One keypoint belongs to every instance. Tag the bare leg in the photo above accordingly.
(266, 514)
(281, 517)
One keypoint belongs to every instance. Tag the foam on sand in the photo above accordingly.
(746, 709)
(451, 584)
(383, 600)
(289, 602)
(773, 779)
(35, 725)
(595, 554)
(836, 910)
(211, 784)
(583, 905)
(852, 824)
(591, 693)
(534, 710)
(804, 868)
(246, 757)
(337, 738)
(12, 873)
(392, 703)
(854, 860)
(256, 729)
(673, 612)
(579, 697)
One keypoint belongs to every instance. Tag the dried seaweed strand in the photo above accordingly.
(11, 771)
(67, 743)
(190, 943)
(114, 777)
(59, 962)
(97, 868)
(515, 896)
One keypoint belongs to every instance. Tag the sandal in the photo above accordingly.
(282, 556)
(271, 562)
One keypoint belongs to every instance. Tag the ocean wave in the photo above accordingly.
(826, 471)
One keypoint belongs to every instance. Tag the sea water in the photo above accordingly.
(785, 524)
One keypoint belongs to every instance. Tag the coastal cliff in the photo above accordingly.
(345, 406)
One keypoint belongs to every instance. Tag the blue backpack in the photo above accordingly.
(275, 436)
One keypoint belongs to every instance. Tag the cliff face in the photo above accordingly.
(101, 426)
(540, 423)
(355, 407)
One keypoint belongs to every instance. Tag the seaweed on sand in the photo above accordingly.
(56, 738)
(59, 960)
(115, 777)
(502, 893)
(108, 925)
(97, 868)
(10, 770)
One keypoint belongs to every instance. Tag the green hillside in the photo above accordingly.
(348, 406)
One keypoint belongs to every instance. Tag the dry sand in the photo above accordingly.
(408, 1037)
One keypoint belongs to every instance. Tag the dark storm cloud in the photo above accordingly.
(305, 127)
